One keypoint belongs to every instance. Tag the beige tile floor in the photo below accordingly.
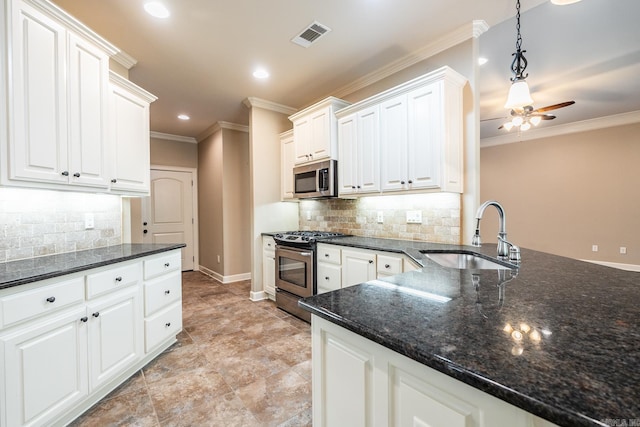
(236, 363)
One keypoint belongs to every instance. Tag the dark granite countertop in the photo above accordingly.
(15, 273)
(577, 364)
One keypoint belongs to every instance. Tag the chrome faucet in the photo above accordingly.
(506, 249)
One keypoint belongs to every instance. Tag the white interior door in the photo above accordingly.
(167, 214)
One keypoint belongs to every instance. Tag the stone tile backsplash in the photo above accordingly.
(39, 222)
(359, 217)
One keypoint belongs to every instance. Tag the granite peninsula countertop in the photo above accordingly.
(15, 273)
(577, 364)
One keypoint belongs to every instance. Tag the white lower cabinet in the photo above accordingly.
(342, 266)
(44, 366)
(115, 334)
(64, 351)
(269, 266)
(357, 382)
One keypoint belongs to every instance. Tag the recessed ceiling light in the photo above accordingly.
(260, 73)
(482, 61)
(156, 9)
(183, 117)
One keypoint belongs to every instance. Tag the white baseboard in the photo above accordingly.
(225, 279)
(627, 267)
(258, 295)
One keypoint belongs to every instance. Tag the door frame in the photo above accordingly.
(194, 206)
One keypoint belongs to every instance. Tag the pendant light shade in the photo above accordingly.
(519, 95)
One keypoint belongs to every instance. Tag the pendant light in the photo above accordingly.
(519, 95)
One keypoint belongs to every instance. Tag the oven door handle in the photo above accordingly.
(305, 253)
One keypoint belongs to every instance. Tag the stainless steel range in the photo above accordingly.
(295, 268)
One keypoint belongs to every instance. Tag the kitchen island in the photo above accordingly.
(557, 338)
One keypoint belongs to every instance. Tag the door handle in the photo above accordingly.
(145, 231)
(144, 223)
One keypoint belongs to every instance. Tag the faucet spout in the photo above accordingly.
(503, 244)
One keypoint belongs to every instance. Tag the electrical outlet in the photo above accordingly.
(88, 221)
(414, 217)
(380, 217)
(218, 259)
(623, 250)
(308, 216)
(594, 248)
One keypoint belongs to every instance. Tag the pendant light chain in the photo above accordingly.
(519, 63)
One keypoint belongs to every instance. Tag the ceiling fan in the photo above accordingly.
(526, 116)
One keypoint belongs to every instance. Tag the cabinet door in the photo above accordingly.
(368, 157)
(348, 146)
(269, 272)
(88, 105)
(424, 135)
(38, 101)
(288, 161)
(357, 267)
(320, 141)
(45, 368)
(393, 143)
(328, 277)
(115, 334)
(302, 137)
(129, 123)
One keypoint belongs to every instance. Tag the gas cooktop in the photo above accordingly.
(305, 236)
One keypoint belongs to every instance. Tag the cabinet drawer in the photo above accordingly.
(112, 279)
(25, 305)
(162, 325)
(268, 244)
(329, 254)
(162, 264)
(328, 277)
(162, 292)
(389, 265)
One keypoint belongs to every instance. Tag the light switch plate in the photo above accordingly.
(88, 221)
(380, 217)
(414, 217)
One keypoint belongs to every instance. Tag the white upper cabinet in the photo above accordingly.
(37, 105)
(418, 128)
(315, 131)
(56, 100)
(129, 127)
(359, 148)
(287, 159)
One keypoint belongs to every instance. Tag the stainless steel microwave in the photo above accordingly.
(317, 180)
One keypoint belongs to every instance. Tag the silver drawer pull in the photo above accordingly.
(51, 299)
(167, 292)
(119, 279)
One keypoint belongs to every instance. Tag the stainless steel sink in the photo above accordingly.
(467, 261)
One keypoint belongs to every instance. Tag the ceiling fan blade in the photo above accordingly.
(494, 118)
(501, 126)
(554, 106)
(547, 116)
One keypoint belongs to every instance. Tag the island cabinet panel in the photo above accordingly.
(347, 392)
(359, 383)
(269, 266)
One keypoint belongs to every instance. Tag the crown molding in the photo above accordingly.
(124, 59)
(569, 128)
(170, 137)
(131, 87)
(217, 126)
(268, 105)
(471, 30)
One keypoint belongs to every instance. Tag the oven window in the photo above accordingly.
(293, 271)
(306, 182)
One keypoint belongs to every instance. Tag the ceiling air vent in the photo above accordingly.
(310, 34)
